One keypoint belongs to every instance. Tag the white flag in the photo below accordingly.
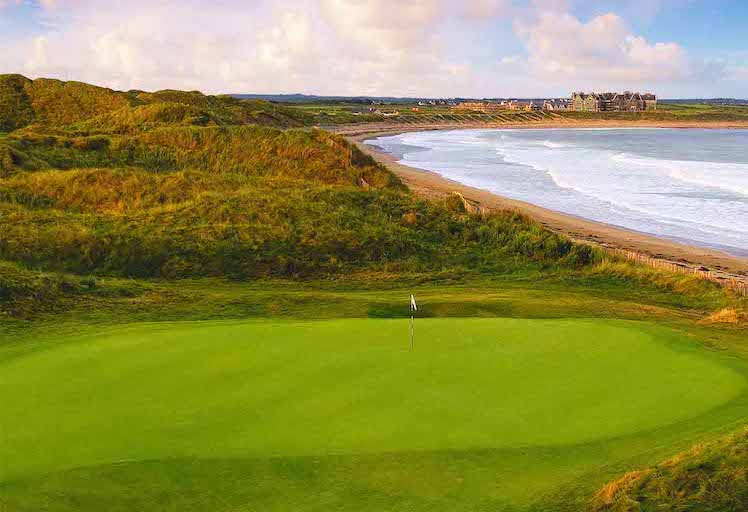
(413, 305)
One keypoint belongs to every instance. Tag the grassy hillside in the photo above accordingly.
(242, 202)
(710, 477)
(162, 189)
(46, 101)
(174, 185)
(54, 103)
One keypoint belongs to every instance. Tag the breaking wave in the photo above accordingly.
(690, 185)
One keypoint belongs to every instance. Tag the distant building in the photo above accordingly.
(485, 107)
(650, 101)
(523, 105)
(613, 102)
(556, 104)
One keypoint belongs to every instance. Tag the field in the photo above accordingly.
(315, 402)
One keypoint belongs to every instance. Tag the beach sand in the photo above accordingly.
(431, 185)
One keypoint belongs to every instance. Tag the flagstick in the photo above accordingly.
(413, 309)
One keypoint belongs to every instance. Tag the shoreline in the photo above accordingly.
(432, 185)
(380, 129)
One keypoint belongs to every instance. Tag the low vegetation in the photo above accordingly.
(175, 185)
(242, 202)
(666, 113)
(709, 478)
(47, 102)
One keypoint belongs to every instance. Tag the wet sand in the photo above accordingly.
(431, 185)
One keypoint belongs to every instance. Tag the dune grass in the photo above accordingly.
(242, 202)
(710, 477)
(88, 108)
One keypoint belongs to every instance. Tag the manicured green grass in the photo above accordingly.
(337, 414)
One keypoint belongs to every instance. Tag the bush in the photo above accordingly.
(6, 161)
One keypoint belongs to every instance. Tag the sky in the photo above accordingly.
(424, 48)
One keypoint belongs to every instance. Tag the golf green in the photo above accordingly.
(273, 415)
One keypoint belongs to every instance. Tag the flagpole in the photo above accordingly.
(413, 309)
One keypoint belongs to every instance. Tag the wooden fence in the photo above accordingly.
(734, 281)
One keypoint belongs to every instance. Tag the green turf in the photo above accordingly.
(337, 414)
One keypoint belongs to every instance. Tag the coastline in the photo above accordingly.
(367, 130)
(429, 184)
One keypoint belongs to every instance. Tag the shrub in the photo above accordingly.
(6, 161)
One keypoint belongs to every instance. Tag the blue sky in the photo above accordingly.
(482, 48)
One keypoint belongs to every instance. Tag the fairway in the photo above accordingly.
(317, 415)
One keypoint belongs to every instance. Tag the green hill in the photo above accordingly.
(45, 101)
(240, 202)
(177, 184)
(24, 102)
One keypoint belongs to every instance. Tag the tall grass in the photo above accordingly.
(241, 202)
(90, 109)
(173, 185)
(708, 478)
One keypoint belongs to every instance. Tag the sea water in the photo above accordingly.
(689, 185)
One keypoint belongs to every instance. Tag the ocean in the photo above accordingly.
(689, 185)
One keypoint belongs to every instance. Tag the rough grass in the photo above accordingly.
(710, 477)
(91, 109)
(729, 316)
(241, 202)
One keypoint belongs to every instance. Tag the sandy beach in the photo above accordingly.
(363, 131)
(431, 185)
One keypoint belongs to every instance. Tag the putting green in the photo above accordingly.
(230, 397)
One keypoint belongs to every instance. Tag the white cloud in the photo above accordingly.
(483, 9)
(37, 57)
(231, 47)
(597, 54)
(382, 47)
(382, 24)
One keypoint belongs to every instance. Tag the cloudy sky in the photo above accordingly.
(436, 48)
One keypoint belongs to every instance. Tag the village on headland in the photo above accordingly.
(580, 101)
(626, 101)
(354, 114)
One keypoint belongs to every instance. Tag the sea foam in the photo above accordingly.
(690, 185)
